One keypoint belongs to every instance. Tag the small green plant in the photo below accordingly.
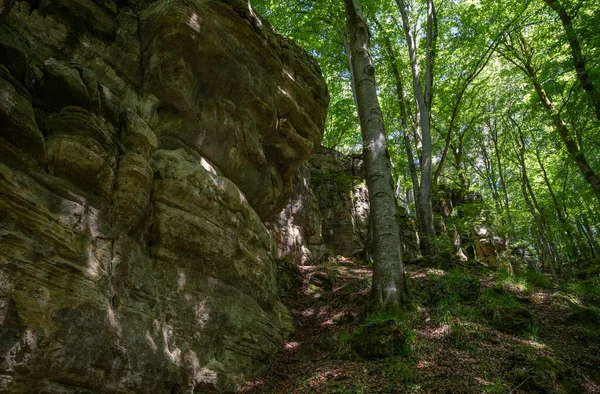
(538, 280)
(455, 285)
(447, 308)
(531, 333)
(495, 299)
(580, 288)
(460, 337)
(495, 387)
(397, 369)
(349, 288)
(515, 282)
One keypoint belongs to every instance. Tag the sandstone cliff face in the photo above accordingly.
(328, 213)
(142, 145)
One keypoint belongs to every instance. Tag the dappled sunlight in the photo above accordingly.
(291, 346)
(435, 333)
(256, 17)
(307, 312)
(322, 377)
(194, 22)
(169, 347)
(252, 385)
(92, 269)
(540, 297)
(423, 364)
(207, 166)
(417, 275)
(202, 313)
(151, 342)
(181, 280)
(433, 271)
(531, 343)
(288, 74)
(112, 319)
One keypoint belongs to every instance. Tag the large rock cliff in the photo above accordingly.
(329, 213)
(142, 146)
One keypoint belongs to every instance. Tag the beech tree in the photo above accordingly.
(389, 289)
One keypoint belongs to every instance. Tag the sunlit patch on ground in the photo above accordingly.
(290, 346)
(325, 376)
(251, 386)
(426, 364)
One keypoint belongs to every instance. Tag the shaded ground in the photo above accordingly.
(474, 331)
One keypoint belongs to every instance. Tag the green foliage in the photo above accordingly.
(449, 288)
(589, 316)
(538, 280)
(505, 312)
(484, 110)
(495, 300)
(495, 387)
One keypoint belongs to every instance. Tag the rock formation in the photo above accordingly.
(328, 213)
(142, 145)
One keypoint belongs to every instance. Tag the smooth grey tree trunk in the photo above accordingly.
(410, 157)
(389, 291)
(428, 236)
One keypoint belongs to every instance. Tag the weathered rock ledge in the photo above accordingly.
(142, 146)
(329, 213)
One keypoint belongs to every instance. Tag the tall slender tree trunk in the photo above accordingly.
(578, 59)
(585, 224)
(494, 134)
(547, 246)
(410, 157)
(389, 287)
(566, 227)
(427, 229)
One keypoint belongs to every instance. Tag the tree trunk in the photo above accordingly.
(546, 244)
(432, 30)
(566, 227)
(389, 287)
(427, 229)
(578, 59)
(494, 134)
(410, 157)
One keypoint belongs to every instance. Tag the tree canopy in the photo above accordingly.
(509, 93)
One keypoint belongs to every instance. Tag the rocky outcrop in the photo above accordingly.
(142, 145)
(328, 213)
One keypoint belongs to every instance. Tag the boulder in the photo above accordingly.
(216, 99)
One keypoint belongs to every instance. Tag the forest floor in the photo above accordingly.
(470, 330)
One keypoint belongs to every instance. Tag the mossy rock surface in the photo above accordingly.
(380, 339)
